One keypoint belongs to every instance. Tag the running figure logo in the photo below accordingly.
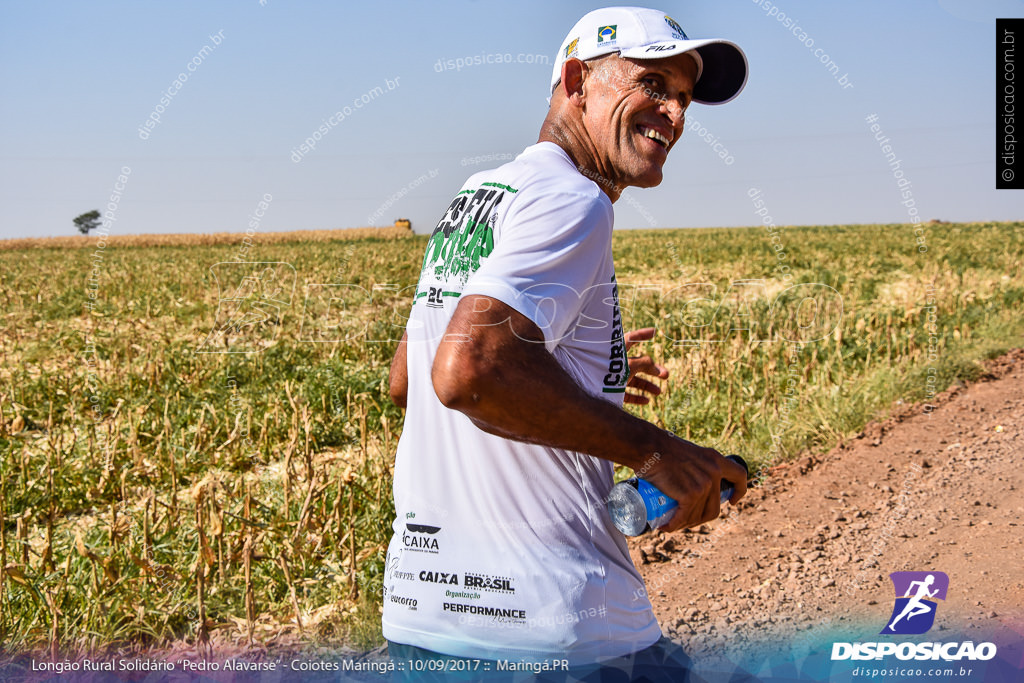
(916, 594)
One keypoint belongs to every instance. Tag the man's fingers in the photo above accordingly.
(712, 507)
(645, 365)
(700, 512)
(634, 337)
(677, 522)
(636, 399)
(682, 519)
(641, 384)
(694, 481)
(737, 476)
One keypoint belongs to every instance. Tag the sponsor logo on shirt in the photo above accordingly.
(440, 577)
(495, 584)
(417, 538)
(392, 562)
(391, 596)
(485, 611)
(618, 367)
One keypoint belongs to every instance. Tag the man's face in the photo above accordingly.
(634, 114)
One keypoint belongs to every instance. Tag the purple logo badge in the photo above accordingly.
(916, 601)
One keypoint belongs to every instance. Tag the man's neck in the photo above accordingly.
(573, 144)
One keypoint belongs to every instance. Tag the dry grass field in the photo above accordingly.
(198, 240)
(195, 449)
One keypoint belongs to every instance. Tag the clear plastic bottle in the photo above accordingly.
(636, 506)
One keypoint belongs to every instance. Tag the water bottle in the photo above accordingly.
(637, 506)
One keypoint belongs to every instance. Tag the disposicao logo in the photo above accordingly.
(914, 613)
(916, 595)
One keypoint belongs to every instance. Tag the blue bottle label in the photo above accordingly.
(660, 507)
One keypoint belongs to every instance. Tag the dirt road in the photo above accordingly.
(937, 488)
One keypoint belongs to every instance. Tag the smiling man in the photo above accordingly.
(514, 367)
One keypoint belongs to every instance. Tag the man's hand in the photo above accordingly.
(692, 475)
(642, 365)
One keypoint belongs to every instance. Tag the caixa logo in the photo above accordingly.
(913, 613)
(440, 577)
(419, 538)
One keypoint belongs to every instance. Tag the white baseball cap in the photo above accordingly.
(642, 33)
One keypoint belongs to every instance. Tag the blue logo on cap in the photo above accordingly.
(916, 593)
(606, 34)
(677, 30)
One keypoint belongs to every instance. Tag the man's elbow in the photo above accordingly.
(458, 382)
(399, 395)
(398, 382)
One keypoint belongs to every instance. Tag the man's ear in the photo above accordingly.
(574, 73)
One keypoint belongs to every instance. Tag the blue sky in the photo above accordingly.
(77, 80)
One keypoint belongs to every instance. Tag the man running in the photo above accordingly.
(513, 368)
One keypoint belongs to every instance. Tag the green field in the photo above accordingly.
(206, 454)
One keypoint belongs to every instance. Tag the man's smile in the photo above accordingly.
(653, 134)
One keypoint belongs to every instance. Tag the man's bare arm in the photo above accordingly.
(493, 367)
(398, 378)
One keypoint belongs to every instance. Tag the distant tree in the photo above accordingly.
(87, 221)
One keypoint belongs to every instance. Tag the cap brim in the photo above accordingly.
(725, 66)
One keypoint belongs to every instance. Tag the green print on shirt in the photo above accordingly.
(464, 235)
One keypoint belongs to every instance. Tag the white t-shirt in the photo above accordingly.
(503, 549)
